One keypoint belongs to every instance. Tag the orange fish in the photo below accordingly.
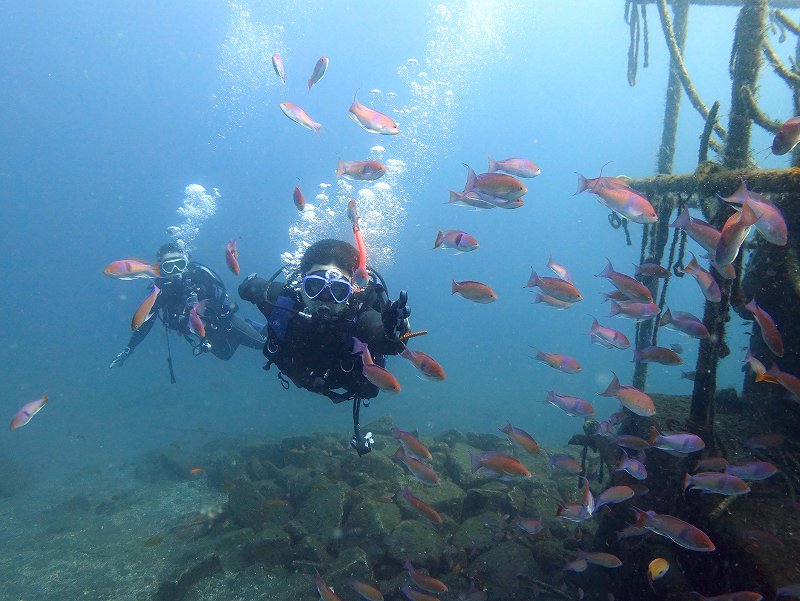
(426, 364)
(299, 199)
(195, 323)
(769, 331)
(27, 411)
(522, 438)
(423, 581)
(371, 120)
(474, 291)
(419, 507)
(196, 470)
(325, 591)
(411, 444)
(232, 256)
(505, 467)
(298, 115)
(143, 312)
(376, 374)
(132, 269)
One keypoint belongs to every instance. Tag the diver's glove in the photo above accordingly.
(395, 318)
(120, 359)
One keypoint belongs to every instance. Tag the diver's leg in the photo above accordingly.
(244, 333)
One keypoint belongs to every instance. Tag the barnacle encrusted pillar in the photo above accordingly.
(663, 203)
(745, 63)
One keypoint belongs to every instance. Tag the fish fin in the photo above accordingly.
(583, 184)
(492, 165)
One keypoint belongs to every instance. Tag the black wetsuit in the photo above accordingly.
(318, 354)
(224, 330)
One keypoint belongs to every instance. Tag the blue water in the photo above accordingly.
(110, 110)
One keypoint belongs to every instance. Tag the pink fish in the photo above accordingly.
(565, 463)
(360, 170)
(522, 438)
(298, 115)
(555, 287)
(711, 464)
(494, 185)
(631, 398)
(298, 198)
(143, 313)
(698, 230)
(680, 532)
(371, 120)
(716, 482)
(365, 590)
(421, 471)
(770, 222)
(789, 381)
(132, 269)
(552, 301)
(612, 495)
(277, 65)
(615, 194)
(470, 199)
(681, 443)
(27, 411)
(375, 374)
(708, 285)
(560, 362)
(787, 137)
(427, 365)
(758, 369)
(319, 72)
(634, 310)
(598, 558)
(325, 592)
(734, 233)
(530, 526)
(769, 331)
(419, 507)
(630, 442)
(559, 270)
(608, 337)
(516, 167)
(657, 354)
(629, 286)
(456, 239)
(423, 581)
(576, 565)
(504, 467)
(232, 256)
(683, 322)
(652, 269)
(415, 595)
(632, 467)
(752, 470)
(571, 405)
(195, 322)
(474, 291)
(412, 446)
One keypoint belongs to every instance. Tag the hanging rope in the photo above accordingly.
(617, 222)
(758, 117)
(633, 48)
(792, 79)
(705, 137)
(786, 22)
(680, 67)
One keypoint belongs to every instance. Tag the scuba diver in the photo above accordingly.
(314, 316)
(183, 284)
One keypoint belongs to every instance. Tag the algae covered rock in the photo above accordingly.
(479, 533)
(322, 510)
(416, 541)
(447, 498)
(490, 497)
(457, 464)
(272, 546)
(351, 563)
(376, 520)
(501, 565)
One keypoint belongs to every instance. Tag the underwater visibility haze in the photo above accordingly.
(516, 437)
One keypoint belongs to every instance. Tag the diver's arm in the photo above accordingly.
(370, 329)
(136, 338)
(260, 292)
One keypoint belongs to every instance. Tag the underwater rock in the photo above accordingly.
(67, 515)
(115, 502)
(450, 437)
(499, 567)
(490, 497)
(255, 470)
(322, 511)
(377, 466)
(477, 534)
(271, 546)
(312, 549)
(351, 563)
(485, 442)
(160, 466)
(447, 498)
(416, 541)
(224, 472)
(457, 465)
(383, 426)
(175, 589)
(375, 520)
(247, 506)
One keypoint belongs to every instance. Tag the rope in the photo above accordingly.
(792, 79)
(781, 17)
(680, 67)
(758, 117)
(705, 137)
(633, 48)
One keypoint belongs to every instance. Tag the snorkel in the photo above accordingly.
(361, 275)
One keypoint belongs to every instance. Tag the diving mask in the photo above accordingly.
(174, 266)
(340, 288)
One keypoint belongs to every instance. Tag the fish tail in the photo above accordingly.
(453, 197)
(316, 127)
(492, 165)
(654, 434)
(583, 184)
(637, 356)
(533, 281)
(682, 220)
(438, 241)
(687, 482)
(340, 168)
(538, 298)
(45, 399)
(615, 308)
(155, 269)
(608, 270)
(471, 179)
(475, 462)
(612, 388)
(666, 318)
